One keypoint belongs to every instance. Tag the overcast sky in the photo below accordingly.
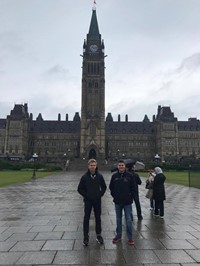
(153, 49)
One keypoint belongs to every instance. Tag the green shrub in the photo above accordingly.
(5, 165)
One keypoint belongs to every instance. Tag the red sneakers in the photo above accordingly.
(131, 242)
(116, 239)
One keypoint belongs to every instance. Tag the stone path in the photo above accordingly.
(41, 224)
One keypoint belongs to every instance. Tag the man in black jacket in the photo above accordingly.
(123, 190)
(92, 187)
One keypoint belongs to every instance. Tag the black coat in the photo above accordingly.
(137, 179)
(92, 188)
(159, 188)
(123, 188)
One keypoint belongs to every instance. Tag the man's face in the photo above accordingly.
(121, 167)
(92, 167)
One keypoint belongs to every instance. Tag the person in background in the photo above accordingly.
(123, 190)
(149, 185)
(92, 187)
(138, 181)
(159, 192)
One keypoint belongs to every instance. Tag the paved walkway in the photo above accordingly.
(41, 224)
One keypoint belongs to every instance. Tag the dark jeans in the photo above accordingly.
(159, 205)
(138, 207)
(152, 203)
(97, 213)
(127, 211)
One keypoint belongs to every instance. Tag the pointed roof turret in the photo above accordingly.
(94, 28)
(146, 119)
(39, 118)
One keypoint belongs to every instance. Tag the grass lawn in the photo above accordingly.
(175, 177)
(16, 177)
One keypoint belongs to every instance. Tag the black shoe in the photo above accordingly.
(86, 241)
(99, 240)
(140, 218)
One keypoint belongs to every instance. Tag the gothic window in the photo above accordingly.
(92, 130)
(90, 84)
(94, 68)
(10, 149)
(16, 149)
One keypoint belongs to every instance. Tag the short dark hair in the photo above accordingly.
(120, 161)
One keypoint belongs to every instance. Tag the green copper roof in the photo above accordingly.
(94, 29)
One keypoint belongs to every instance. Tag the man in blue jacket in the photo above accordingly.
(92, 187)
(123, 190)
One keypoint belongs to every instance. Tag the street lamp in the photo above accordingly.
(69, 153)
(118, 151)
(64, 160)
(35, 156)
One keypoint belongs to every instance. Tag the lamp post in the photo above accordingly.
(64, 160)
(118, 151)
(35, 156)
(69, 153)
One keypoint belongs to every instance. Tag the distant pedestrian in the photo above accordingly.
(123, 190)
(149, 185)
(92, 187)
(159, 192)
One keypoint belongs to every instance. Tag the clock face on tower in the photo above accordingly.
(93, 48)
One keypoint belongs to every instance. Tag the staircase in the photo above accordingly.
(78, 164)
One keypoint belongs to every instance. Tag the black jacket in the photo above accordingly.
(158, 187)
(123, 188)
(92, 188)
(137, 179)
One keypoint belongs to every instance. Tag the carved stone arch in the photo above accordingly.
(92, 151)
(92, 154)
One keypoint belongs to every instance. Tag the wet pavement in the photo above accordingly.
(41, 224)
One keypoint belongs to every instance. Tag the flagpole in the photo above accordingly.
(94, 4)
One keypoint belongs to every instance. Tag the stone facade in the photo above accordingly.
(93, 135)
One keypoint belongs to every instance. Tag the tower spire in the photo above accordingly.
(94, 28)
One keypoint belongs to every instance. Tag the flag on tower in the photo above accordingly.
(95, 2)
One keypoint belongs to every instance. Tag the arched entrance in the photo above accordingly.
(92, 154)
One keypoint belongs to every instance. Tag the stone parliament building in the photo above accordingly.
(94, 135)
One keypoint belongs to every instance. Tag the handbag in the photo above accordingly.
(149, 194)
(149, 184)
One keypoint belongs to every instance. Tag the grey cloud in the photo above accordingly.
(42, 103)
(56, 72)
(10, 41)
(190, 63)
